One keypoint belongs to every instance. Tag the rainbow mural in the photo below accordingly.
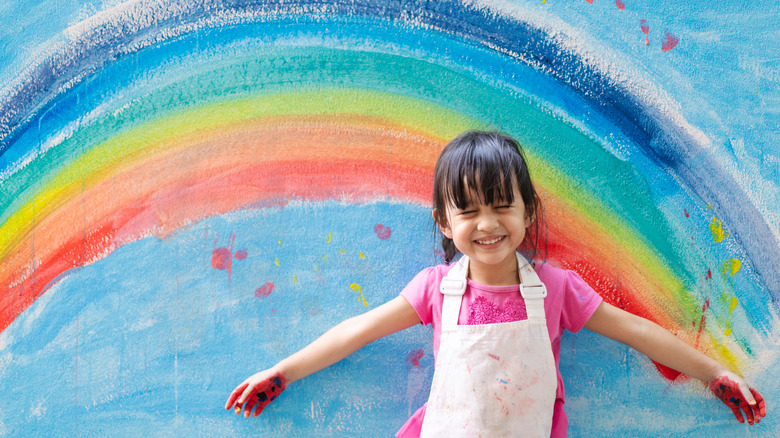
(192, 190)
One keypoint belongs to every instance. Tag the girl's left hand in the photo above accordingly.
(737, 395)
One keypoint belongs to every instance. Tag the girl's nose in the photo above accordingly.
(487, 222)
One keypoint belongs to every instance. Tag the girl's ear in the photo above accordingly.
(441, 222)
(529, 219)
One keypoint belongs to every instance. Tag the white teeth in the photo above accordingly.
(489, 242)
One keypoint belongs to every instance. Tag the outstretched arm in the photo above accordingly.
(337, 343)
(663, 347)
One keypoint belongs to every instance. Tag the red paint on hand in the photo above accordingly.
(260, 395)
(264, 290)
(620, 5)
(382, 232)
(414, 357)
(729, 392)
(669, 42)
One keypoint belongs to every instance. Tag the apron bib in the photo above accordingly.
(492, 380)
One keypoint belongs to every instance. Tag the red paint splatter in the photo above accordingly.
(221, 259)
(620, 5)
(414, 357)
(264, 290)
(589, 1)
(643, 25)
(669, 373)
(685, 210)
(494, 356)
(669, 42)
(703, 320)
(645, 29)
(382, 232)
(241, 254)
(709, 274)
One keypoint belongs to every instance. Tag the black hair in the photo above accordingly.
(486, 163)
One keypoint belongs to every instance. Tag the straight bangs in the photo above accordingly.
(480, 171)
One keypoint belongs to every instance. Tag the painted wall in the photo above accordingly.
(192, 190)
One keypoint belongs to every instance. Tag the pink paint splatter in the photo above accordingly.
(264, 290)
(589, 1)
(382, 232)
(414, 357)
(494, 356)
(241, 254)
(645, 29)
(220, 259)
(620, 5)
(669, 42)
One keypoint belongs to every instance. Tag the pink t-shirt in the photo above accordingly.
(569, 305)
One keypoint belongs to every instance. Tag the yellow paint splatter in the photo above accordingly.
(356, 287)
(277, 261)
(342, 251)
(330, 238)
(361, 255)
(731, 267)
(280, 241)
(325, 258)
(316, 269)
(295, 279)
(716, 227)
(733, 302)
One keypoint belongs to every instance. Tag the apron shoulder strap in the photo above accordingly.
(453, 285)
(532, 289)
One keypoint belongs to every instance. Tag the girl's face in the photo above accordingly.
(489, 234)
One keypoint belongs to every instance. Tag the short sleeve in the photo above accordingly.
(419, 294)
(579, 303)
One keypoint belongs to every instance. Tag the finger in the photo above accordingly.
(748, 413)
(737, 413)
(234, 395)
(248, 406)
(760, 402)
(246, 394)
(746, 393)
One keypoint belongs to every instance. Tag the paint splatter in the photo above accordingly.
(620, 5)
(264, 290)
(330, 238)
(589, 1)
(414, 357)
(356, 287)
(646, 30)
(716, 227)
(669, 42)
(241, 254)
(493, 356)
(221, 259)
(382, 232)
(703, 320)
(685, 211)
(731, 267)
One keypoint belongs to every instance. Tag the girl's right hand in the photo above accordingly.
(256, 392)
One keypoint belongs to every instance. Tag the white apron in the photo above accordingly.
(492, 380)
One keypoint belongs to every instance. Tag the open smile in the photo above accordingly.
(490, 241)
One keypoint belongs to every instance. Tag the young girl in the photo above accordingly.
(497, 320)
